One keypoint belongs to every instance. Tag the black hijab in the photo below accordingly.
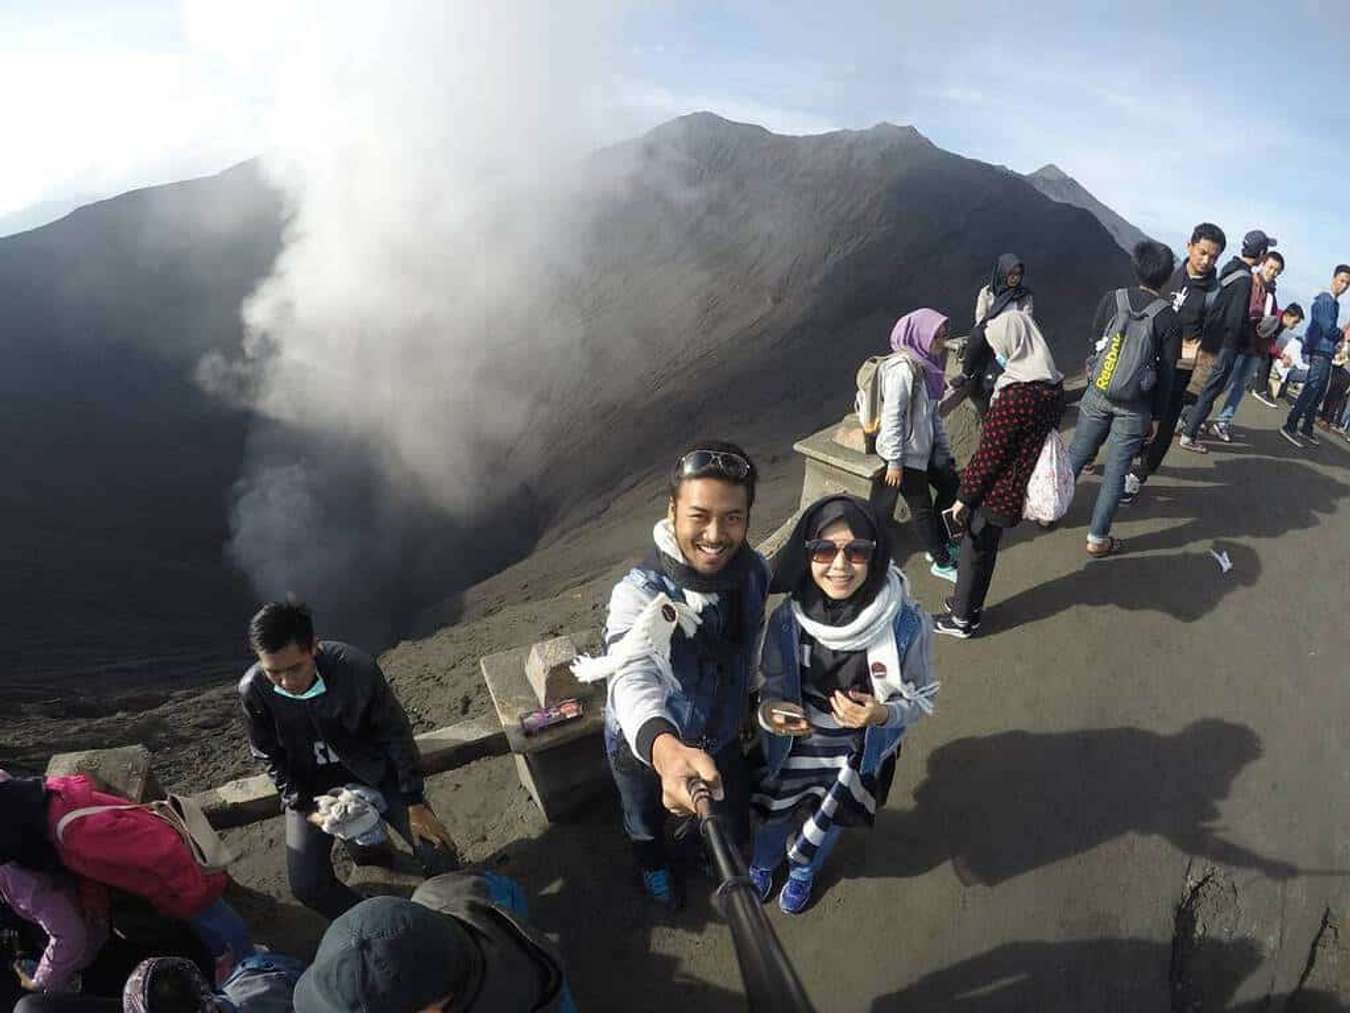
(830, 670)
(978, 357)
(793, 573)
(999, 289)
(23, 824)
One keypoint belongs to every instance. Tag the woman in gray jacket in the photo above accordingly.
(920, 465)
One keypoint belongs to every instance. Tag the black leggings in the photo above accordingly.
(975, 569)
(925, 506)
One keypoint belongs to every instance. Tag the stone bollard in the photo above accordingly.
(548, 669)
(561, 767)
(125, 770)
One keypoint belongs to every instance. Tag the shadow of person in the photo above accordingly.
(1101, 975)
(583, 887)
(1005, 804)
(1240, 497)
(1183, 585)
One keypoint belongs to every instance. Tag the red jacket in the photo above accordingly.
(1018, 422)
(129, 850)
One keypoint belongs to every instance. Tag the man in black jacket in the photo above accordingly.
(1193, 287)
(322, 716)
(1230, 332)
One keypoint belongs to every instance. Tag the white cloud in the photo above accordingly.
(94, 117)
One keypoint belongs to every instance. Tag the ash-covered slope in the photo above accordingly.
(1058, 185)
(724, 279)
(117, 466)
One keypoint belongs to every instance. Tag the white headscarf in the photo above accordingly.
(1014, 336)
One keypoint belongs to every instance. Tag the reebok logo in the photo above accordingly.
(1109, 362)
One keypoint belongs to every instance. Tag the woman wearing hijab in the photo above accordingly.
(1006, 291)
(847, 667)
(912, 439)
(1028, 403)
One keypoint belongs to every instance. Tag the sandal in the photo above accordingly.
(1100, 550)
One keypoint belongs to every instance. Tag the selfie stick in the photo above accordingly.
(771, 984)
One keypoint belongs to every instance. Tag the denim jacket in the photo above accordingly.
(782, 680)
(707, 699)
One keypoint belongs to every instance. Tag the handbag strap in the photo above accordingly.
(90, 810)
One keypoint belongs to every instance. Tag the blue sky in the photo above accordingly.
(1171, 114)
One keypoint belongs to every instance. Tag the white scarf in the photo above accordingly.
(873, 631)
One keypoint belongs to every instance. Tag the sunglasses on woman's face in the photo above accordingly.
(822, 550)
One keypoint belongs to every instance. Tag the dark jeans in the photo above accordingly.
(1334, 403)
(644, 817)
(1217, 383)
(1305, 408)
(309, 856)
(1261, 378)
(975, 568)
(1152, 457)
(925, 507)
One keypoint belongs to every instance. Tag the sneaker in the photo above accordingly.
(948, 625)
(1222, 431)
(1191, 444)
(1132, 487)
(949, 603)
(954, 551)
(796, 894)
(762, 881)
(660, 887)
(947, 572)
(1264, 398)
(1311, 439)
(1291, 437)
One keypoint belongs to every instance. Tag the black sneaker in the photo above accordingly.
(1265, 399)
(1291, 437)
(948, 625)
(1311, 439)
(949, 603)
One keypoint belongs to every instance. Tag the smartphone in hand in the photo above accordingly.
(956, 529)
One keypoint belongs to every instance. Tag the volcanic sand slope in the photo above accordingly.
(1058, 185)
(726, 281)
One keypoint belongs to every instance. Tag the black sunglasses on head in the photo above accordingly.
(822, 550)
(699, 463)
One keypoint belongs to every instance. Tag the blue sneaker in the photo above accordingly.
(796, 893)
(762, 880)
(660, 887)
(947, 572)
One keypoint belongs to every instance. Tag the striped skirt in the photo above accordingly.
(820, 775)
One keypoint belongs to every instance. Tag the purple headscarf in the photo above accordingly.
(914, 333)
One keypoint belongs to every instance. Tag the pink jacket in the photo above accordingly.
(129, 850)
(74, 935)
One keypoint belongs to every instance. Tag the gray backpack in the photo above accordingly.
(264, 983)
(1123, 364)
